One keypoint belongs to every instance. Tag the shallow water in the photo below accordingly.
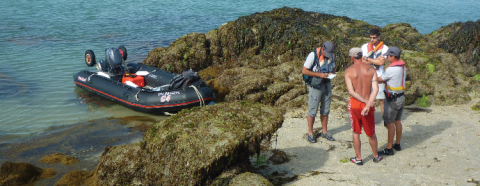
(43, 45)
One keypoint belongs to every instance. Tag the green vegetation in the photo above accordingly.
(424, 101)
(476, 77)
(261, 160)
(344, 160)
(476, 107)
(431, 68)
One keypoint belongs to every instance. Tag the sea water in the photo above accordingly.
(42, 44)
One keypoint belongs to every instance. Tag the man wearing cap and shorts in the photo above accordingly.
(323, 94)
(394, 79)
(362, 85)
(374, 54)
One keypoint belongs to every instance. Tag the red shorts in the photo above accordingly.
(355, 108)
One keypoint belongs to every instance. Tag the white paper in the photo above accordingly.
(331, 76)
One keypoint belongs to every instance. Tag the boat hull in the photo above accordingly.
(142, 99)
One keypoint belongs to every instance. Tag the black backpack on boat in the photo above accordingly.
(184, 79)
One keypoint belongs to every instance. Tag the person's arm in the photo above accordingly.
(373, 95)
(380, 61)
(380, 80)
(308, 64)
(310, 73)
(384, 78)
(351, 90)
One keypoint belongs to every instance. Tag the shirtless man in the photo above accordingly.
(362, 85)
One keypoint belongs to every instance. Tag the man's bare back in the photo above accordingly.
(361, 81)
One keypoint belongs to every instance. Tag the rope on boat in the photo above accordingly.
(89, 77)
(168, 113)
(136, 95)
(202, 102)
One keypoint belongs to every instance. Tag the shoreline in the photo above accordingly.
(438, 147)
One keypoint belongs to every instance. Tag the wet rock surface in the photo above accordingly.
(192, 147)
(23, 174)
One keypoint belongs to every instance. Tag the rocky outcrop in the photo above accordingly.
(259, 57)
(23, 173)
(59, 157)
(192, 147)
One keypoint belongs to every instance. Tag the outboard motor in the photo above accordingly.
(113, 62)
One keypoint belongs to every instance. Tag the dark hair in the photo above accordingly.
(375, 31)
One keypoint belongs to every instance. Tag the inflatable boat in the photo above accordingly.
(141, 87)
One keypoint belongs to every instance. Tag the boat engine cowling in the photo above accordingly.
(113, 62)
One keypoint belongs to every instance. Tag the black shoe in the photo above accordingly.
(327, 136)
(397, 147)
(354, 160)
(311, 138)
(378, 159)
(386, 151)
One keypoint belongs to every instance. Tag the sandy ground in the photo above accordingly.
(440, 146)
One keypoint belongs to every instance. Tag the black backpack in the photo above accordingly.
(184, 79)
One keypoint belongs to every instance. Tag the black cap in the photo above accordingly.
(393, 51)
(328, 47)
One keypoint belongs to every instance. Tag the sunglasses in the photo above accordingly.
(373, 37)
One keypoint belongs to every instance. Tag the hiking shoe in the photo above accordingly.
(397, 147)
(311, 138)
(327, 136)
(354, 160)
(378, 159)
(386, 151)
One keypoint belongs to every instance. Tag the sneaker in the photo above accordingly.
(378, 159)
(386, 152)
(354, 160)
(397, 147)
(311, 138)
(327, 136)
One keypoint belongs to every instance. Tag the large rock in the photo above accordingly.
(260, 57)
(23, 173)
(192, 147)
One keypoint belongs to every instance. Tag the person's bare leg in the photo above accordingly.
(374, 144)
(324, 120)
(391, 134)
(357, 145)
(310, 121)
(398, 130)
(382, 105)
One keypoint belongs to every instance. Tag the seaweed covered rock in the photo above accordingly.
(59, 157)
(249, 178)
(79, 178)
(22, 173)
(189, 51)
(192, 147)
(260, 57)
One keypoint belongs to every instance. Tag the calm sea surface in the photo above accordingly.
(43, 42)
